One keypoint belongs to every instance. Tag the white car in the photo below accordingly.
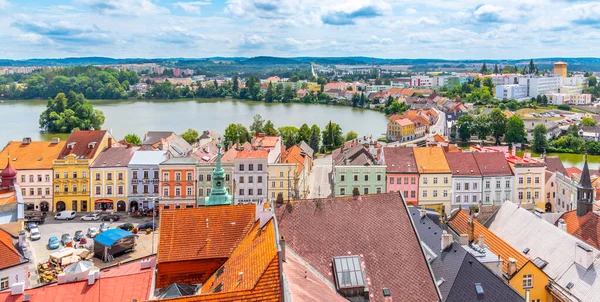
(65, 215)
(92, 232)
(35, 234)
(91, 217)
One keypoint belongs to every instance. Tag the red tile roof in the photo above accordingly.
(586, 227)
(305, 285)
(400, 160)
(253, 154)
(82, 139)
(268, 142)
(404, 122)
(462, 164)
(319, 230)
(35, 155)
(572, 171)
(554, 164)
(204, 232)
(492, 163)
(110, 289)
(9, 254)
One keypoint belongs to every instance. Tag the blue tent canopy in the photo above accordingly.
(109, 237)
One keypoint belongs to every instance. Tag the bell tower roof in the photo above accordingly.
(218, 193)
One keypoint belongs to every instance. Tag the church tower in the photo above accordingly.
(585, 192)
(8, 176)
(218, 194)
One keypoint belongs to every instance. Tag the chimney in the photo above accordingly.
(110, 141)
(93, 275)
(422, 212)
(514, 151)
(282, 245)
(512, 266)
(26, 140)
(562, 224)
(481, 242)
(464, 239)
(471, 229)
(17, 288)
(446, 240)
(584, 255)
(55, 140)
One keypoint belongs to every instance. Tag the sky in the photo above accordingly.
(445, 29)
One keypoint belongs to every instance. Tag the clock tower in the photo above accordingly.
(218, 194)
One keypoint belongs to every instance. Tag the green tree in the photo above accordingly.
(257, 124)
(269, 95)
(235, 86)
(350, 136)
(592, 81)
(315, 138)
(481, 126)
(531, 69)
(63, 115)
(288, 94)
(540, 143)
(269, 129)
(289, 134)
(487, 82)
(133, 139)
(236, 133)
(588, 121)
(304, 133)
(484, 69)
(573, 130)
(191, 136)
(355, 100)
(496, 71)
(378, 81)
(497, 121)
(332, 136)
(515, 130)
(465, 125)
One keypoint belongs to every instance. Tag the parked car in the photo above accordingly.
(30, 226)
(65, 215)
(111, 217)
(92, 232)
(65, 238)
(78, 235)
(562, 115)
(30, 214)
(35, 234)
(37, 220)
(148, 226)
(103, 227)
(53, 243)
(91, 217)
(127, 227)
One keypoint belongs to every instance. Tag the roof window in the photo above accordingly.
(348, 272)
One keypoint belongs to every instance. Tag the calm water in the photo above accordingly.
(20, 119)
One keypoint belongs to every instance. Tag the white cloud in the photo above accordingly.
(193, 7)
(125, 7)
(411, 11)
(252, 41)
(4, 3)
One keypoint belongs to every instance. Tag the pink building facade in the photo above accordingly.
(402, 174)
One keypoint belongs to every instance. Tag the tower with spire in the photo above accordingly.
(585, 191)
(218, 194)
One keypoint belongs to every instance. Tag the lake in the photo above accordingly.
(20, 118)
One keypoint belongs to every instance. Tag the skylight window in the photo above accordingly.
(348, 272)
(479, 288)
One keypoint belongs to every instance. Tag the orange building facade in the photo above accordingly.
(178, 183)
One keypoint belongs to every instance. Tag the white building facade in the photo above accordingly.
(251, 177)
(512, 91)
(421, 81)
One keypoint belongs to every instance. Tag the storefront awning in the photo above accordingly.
(104, 201)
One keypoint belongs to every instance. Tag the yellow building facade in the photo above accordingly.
(531, 278)
(72, 170)
(283, 179)
(530, 183)
(109, 179)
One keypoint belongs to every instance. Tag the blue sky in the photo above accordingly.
(447, 29)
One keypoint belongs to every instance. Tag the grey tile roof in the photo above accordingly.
(147, 158)
(180, 161)
(459, 269)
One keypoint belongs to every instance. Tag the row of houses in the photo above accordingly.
(91, 171)
(410, 125)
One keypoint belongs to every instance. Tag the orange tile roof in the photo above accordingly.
(460, 224)
(394, 117)
(572, 171)
(253, 154)
(431, 160)
(10, 255)
(293, 155)
(230, 155)
(404, 122)
(267, 141)
(251, 273)
(122, 288)
(36, 155)
(586, 227)
(7, 197)
(438, 138)
(204, 232)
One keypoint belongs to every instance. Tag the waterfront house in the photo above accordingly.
(356, 168)
(552, 128)
(402, 174)
(435, 178)
(251, 176)
(466, 179)
(109, 178)
(497, 177)
(401, 129)
(33, 162)
(72, 168)
(178, 182)
(144, 179)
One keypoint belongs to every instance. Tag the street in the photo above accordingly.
(39, 252)
(320, 178)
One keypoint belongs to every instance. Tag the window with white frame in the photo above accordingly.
(425, 193)
(424, 180)
(177, 176)
(445, 180)
(435, 180)
(4, 283)
(487, 184)
(435, 193)
(342, 191)
(177, 190)
(520, 195)
(445, 193)
(189, 191)
(527, 281)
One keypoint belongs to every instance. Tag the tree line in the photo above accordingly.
(64, 114)
(494, 124)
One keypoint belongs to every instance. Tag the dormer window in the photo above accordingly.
(349, 275)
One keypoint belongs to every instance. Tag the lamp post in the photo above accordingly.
(154, 205)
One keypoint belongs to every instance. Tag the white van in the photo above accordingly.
(65, 215)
